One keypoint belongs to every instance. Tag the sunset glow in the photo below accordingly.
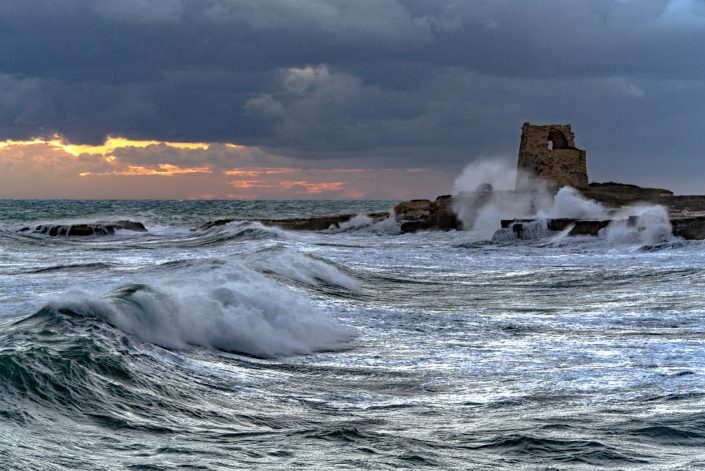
(164, 170)
(121, 167)
(110, 145)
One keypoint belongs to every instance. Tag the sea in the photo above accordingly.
(244, 346)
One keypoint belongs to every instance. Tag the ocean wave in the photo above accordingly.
(586, 452)
(231, 308)
(289, 263)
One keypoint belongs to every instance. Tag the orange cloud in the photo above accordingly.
(251, 184)
(312, 187)
(124, 168)
(257, 171)
(111, 144)
(164, 170)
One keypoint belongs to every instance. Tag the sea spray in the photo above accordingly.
(481, 213)
(569, 203)
(364, 224)
(294, 265)
(231, 308)
(639, 224)
(498, 172)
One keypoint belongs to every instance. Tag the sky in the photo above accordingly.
(339, 99)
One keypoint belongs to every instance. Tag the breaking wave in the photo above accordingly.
(237, 310)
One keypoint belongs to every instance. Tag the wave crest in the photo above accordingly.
(241, 311)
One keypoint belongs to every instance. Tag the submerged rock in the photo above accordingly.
(209, 224)
(82, 230)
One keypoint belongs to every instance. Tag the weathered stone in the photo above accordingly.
(442, 216)
(413, 210)
(317, 223)
(588, 227)
(689, 228)
(548, 152)
(692, 228)
(415, 226)
(82, 230)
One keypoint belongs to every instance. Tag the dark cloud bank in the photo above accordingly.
(389, 82)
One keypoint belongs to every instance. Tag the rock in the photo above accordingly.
(689, 228)
(413, 210)
(82, 230)
(692, 228)
(442, 216)
(128, 226)
(415, 226)
(317, 223)
(209, 224)
(591, 228)
(418, 215)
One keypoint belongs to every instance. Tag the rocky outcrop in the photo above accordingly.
(82, 230)
(314, 223)
(692, 228)
(577, 227)
(617, 195)
(418, 215)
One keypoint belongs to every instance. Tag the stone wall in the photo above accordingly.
(549, 153)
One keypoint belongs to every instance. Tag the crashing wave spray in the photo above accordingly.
(480, 212)
(231, 308)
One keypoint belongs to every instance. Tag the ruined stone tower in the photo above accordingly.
(549, 153)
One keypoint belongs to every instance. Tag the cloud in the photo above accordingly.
(121, 168)
(264, 105)
(141, 11)
(383, 84)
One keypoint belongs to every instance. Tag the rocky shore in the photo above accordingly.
(686, 214)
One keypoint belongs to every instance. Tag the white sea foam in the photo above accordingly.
(300, 267)
(648, 225)
(364, 223)
(233, 308)
(481, 214)
(568, 203)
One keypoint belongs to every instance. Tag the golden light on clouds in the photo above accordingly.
(257, 171)
(125, 168)
(311, 187)
(111, 144)
(163, 170)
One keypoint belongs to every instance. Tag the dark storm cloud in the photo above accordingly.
(398, 82)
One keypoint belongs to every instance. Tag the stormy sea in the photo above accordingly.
(246, 346)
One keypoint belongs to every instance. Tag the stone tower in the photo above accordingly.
(549, 153)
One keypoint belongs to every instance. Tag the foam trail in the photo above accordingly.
(233, 309)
